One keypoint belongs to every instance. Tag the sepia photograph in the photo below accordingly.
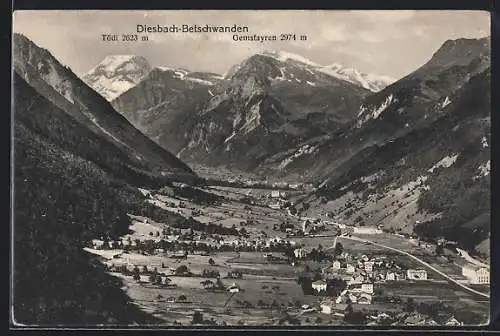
(250, 168)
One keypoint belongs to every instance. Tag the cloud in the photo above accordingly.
(370, 40)
(387, 16)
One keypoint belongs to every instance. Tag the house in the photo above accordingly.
(366, 230)
(278, 194)
(364, 257)
(234, 274)
(319, 286)
(234, 288)
(171, 299)
(390, 276)
(306, 226)
(412, 274)
(365, 298)
(367, 287)
(300, 253)
(369, 266)
(350, 269)
(336, 265)
(476, 274)
(356, 279)
(452, 321)
(327, 307)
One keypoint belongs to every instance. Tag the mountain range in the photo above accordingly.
(213, 119)
(411, 155)
(280, 114)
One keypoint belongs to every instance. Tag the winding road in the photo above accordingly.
(420, 261)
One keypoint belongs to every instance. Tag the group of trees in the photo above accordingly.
(67, 193)
(464, 204)
(197, 195)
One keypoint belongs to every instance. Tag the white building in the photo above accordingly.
(350, 269)
(278, 194)
(327, 307)
(306, 224)
(366, 230)
(365, 299)
(336, 265)
(319, 286)
(356, 279)
(412, 274)
(476, 274)
(369, 266)
(233, 288)
(367, 288)
(300, 253)
(390, 276)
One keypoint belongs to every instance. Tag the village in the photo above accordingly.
(246, 251)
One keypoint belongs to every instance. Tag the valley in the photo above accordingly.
(277, 192)
(262, 267)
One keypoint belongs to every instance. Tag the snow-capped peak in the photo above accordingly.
(371, 82)
(116, 74)
(284, 56)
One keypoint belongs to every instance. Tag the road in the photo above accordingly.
(422, 262)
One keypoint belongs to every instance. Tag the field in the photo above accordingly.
(269, 288)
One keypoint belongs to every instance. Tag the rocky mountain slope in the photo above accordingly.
(267, 105)
(116, 74)
(212, 120)
(412, 102)
(78, 164)
(65, 90)
(165, 102)
(71, 185)
(417, 158)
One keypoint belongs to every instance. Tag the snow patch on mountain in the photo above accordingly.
(371, 82)
(484, 142)
(284, 56)
(484, 170)
(365, 114)
(304, 150)
(199, 81)
(445, 162)
(446, 102)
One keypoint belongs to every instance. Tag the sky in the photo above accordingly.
(391, 43)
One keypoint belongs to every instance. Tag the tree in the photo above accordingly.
(136, 275)
(182, 298)
(197, 317)
(183, 269)
(339, 248)
(211, 262)
(348, 308)
(439, 249)
(356, 318)
(410, 305)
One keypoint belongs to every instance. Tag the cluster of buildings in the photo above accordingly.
(356, 270)
(475, 274)
(361, 273)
